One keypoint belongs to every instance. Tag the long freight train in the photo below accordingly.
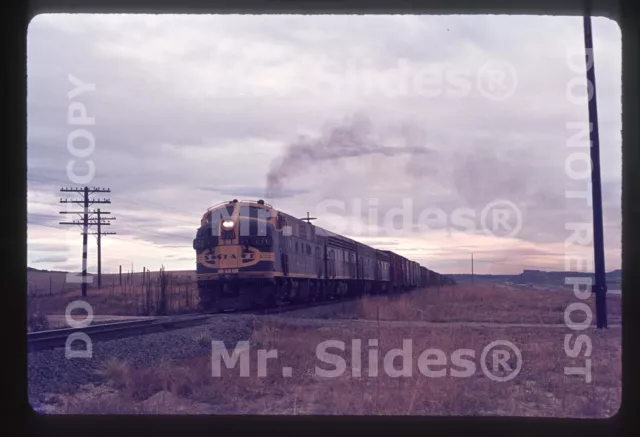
(251, 255)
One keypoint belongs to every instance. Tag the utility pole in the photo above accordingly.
(100, 233)
(472, 277)
(600, 285)
(307, 218)
(85, 202)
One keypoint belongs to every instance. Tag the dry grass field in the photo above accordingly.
(176, 295)
(540, 388)
(482, 303)
(47, 283)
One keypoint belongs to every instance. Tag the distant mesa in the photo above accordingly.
(31, 269)
(538, 277)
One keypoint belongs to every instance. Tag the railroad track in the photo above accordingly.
(292, 307)
(288, 307)
(108, 331)
(54, 338)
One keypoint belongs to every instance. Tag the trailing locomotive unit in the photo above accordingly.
(251, 255)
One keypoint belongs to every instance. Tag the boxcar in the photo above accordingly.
(423, 277)
(383, 272)
(366, 262)
(405, 273)
(396, 272)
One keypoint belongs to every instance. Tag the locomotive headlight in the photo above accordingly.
(227, 224)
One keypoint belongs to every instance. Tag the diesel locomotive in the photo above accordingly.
(250, 255)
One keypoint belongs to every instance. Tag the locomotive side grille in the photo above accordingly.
(340, 243)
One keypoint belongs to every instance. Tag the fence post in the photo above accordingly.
(163, 292)
(147, 295)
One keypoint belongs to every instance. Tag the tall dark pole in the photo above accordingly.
(85, 223)
(472, 277)
(99, 254)
(84, 241)
(600, 285)
(100, 233)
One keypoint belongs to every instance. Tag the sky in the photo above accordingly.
(437, 137)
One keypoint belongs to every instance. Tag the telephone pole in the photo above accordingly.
(307, 218)
(599, 287)
(100, 233)
(472, 277)
(86, 201)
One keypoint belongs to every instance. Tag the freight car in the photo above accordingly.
(252, 255)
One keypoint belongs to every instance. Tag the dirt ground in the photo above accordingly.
(387, 368)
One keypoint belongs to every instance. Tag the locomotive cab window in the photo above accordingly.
(249, 211)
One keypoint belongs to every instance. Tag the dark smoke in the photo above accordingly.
(350, 139)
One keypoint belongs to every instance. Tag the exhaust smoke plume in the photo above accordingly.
(351, 139)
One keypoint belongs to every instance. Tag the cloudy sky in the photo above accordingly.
(436, 137)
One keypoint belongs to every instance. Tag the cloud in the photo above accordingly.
(47, 247)
(191, 111)
(52, 259)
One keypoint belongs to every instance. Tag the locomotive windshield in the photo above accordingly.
(251, 211)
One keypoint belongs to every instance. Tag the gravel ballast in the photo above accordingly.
(49, 371)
